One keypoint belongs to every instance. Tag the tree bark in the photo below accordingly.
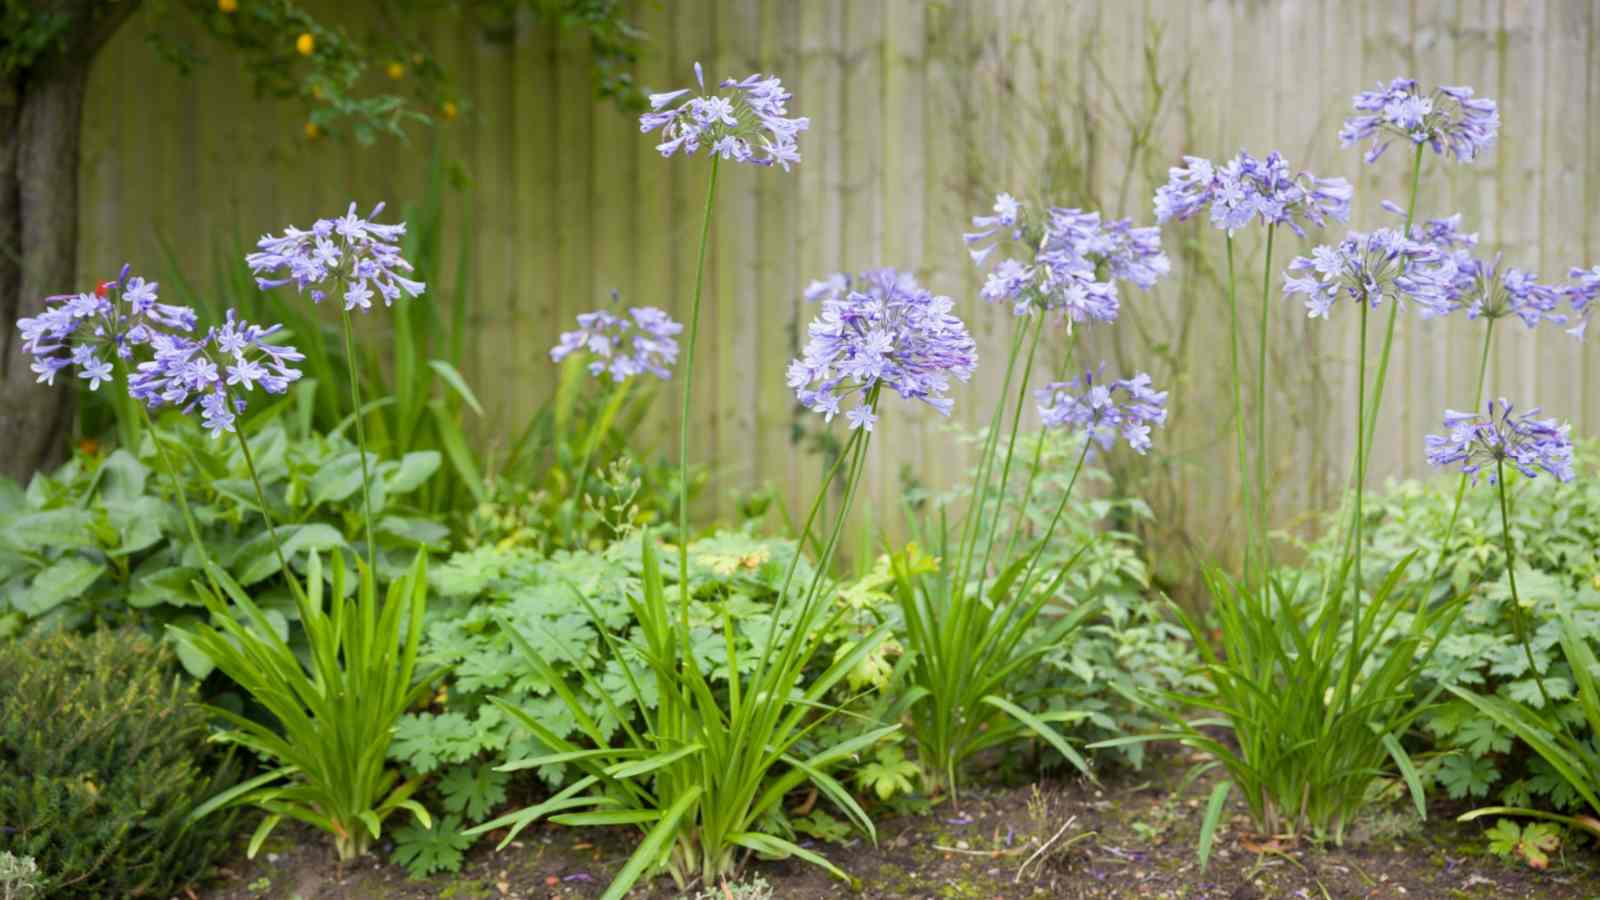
(41, 119)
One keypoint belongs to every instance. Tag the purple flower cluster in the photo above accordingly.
(1448, 119)
(349, 254)
(1369, 266)
(119, 316)
(881, 329)
(752, 125)
(1479, 442)
(1490, 291)
(1105, 410)
(1076, 260)
(1582, 294)
(1247, 188)
(624, 346)
(215, 371)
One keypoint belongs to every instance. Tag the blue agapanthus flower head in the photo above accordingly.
(1247, 189)
(1450, 119)
(1105, 410)
(642, 341)
(1071, 262)
(82, 331)
(350, 254)
(1487, 289)
(1582, 293)
(1477, 443)
(216, 371)
(880, 330)
(749, 125)
(1369, 267)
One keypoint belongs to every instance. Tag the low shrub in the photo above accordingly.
(103, 756)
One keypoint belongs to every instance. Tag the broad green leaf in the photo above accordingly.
(411, 470)
(67, 579)
(338, 479)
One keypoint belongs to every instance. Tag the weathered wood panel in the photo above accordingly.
(920, 112)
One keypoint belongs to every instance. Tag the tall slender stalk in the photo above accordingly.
(266, 515)
(361, 433)
(1011, 447)
(1461, 485)
(688, 386)
(1394, 312)
(1517, 619)
(1361, 455)
(1263, 554)
(1238, 411)
(972, 518)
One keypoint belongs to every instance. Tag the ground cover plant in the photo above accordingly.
(566, 648)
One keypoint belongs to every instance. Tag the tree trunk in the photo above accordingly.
(41, 118)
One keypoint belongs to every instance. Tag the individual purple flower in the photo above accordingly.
(1105, 410)
(1477, 443)
(1076, 260)
(1444, 233)
(625, 346)
(216, 371)
(117, 317)
(1368, 267)
(1582, 293)
(751, 125)
(1247, 188)
(349, 254)
(881, 329)
(1449, 119)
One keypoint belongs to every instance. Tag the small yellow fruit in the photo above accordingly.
(448, 109)
(397, 71)
(228, 6)
(312, 131)
(305, 44)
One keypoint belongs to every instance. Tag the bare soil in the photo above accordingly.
(1130, 836)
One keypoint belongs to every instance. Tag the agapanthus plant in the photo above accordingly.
(1073, 259)
(1105, 411)
(1368, 268)
(623, 346)
(881, 329)
(348, 257)
(1244, 190)
(1582, 293)
(88, 331)
(1484, 443)
(216, 371)
(749, 125)
(1450, 119)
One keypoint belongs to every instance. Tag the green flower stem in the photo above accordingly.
(688, 384)
(597, 433)
(1262, 553)
(1238, 411)
(1033, 474)
(1050, 530)
(1011, 449)
(361, 431)
(172, 475)
(1461, 485)
(973, 517)
(1394, 310)
(1361, 455)
(857, 469)
(1517, 615)
(266, 515)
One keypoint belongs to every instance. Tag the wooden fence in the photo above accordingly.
(920, 111)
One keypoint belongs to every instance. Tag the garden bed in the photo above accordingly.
(1130, 837)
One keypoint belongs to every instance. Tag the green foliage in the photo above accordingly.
(705, 775)
(1532, 843)
(549, 601)
(19, 876)
(439, 847)
(104, 757)
(1555, 527)
(100, 540)
(27, 32)
(573, 479)
(335, 710)
(1315, 730)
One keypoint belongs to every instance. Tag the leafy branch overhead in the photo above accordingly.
(367, 72)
